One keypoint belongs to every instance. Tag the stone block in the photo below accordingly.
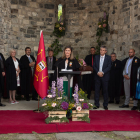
(49, 19)
(27, 35)
(33, 4)
(49, 6)
(41, 5)
(14, 1)
(25, 21)
(22, 2)
(13, 16)
(114, 36)
(51, 15)
(14, 6)
(30, 31)
(100, 3)
(14, 10)
(34, 36)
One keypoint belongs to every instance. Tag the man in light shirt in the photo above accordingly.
(130, 67)
(102, 66)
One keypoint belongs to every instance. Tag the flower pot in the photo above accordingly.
(76, 114)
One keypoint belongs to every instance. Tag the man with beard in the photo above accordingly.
(27, 74)
(88, 80)
(115, 80)
(130, 67)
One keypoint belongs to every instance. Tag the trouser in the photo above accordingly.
(98, 83)
(114, 91)
(127, 93)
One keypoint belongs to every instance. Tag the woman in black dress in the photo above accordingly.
(68, 63)
(12, 75)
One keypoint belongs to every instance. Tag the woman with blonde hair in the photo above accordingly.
(67, 63)
(12, 75)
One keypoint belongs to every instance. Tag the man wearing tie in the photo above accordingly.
(27, 74)
(50, 64)
(102, 66)
(88, 80)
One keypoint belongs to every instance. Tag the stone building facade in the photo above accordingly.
(22, 20)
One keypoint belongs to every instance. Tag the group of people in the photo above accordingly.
(17, 73)
(112, 76)
(108, 74)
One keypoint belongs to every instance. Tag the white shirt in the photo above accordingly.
(129, 61)
(101, 63)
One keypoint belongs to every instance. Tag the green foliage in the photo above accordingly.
(59, 31)
(84, 118)
(102, 27)
(56, 47)
(50, 119)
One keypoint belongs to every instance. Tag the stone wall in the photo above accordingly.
(22, 20)
(28, 18)
(5, 26)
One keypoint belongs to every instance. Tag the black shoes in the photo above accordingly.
(95, 107)
(134, 108)
(105, 107)
(124, 106)
(117, 102)
(2, 105)
(111, 102)
(35, 99)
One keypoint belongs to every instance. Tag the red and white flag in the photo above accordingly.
(41, 79)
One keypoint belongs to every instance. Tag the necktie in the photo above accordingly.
(29, 59)
(101, 64)
(92, 60)
(50, 60)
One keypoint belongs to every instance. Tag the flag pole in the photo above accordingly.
(37, 111)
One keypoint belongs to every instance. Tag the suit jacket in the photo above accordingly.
(54, 61)
(26, 72)
(88, 59)
(106, 67)
(133, 75)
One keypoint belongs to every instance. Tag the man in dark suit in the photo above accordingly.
(130, 67)
(88, 80)
(102, 66)
(50, 64)
(2, 74)
(115, 80)
(27, 74)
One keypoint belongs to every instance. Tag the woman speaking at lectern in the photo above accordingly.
(67, 63)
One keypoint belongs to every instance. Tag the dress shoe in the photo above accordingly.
(111, 102)
(95, 107)
(35, 99)
(124, 106)
(27, 99)
(105, 107)
(2, 105)
(117, 102)
(134, 108)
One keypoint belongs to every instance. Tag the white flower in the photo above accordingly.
(44, 104)
(59, 98)
(81, 100)
(90, 104)
(78, 108)
(73, 95)
(53, 104)
(49, 96)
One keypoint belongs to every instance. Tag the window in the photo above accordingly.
(60, 17)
